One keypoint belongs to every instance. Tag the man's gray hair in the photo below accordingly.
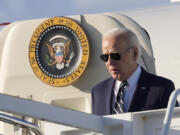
(130, 37)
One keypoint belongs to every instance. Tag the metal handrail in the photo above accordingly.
(50, 113)
(20, 123)
(169, 112)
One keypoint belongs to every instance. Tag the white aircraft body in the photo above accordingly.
(56, 71)
(162, 25)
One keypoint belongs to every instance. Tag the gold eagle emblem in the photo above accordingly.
(58, 52)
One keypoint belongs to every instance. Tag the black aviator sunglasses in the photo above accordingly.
(114, 56)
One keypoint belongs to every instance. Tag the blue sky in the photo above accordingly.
(13, 10)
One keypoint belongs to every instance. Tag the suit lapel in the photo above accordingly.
(109, 95)
(140, 94)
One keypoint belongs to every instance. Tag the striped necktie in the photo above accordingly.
(118, 108)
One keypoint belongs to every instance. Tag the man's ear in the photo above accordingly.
(136, 53)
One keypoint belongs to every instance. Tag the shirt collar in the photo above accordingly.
(133, 79)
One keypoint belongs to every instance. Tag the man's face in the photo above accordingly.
(120, 69)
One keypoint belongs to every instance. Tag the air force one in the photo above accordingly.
(49, 66)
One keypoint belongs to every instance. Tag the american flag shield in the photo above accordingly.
(59, 57)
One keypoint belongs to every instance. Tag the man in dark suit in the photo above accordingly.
(130, 88)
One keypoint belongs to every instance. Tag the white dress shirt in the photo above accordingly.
(129, 89)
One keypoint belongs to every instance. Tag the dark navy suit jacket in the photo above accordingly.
(152, 92)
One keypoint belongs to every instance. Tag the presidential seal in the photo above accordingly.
(59, 51)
